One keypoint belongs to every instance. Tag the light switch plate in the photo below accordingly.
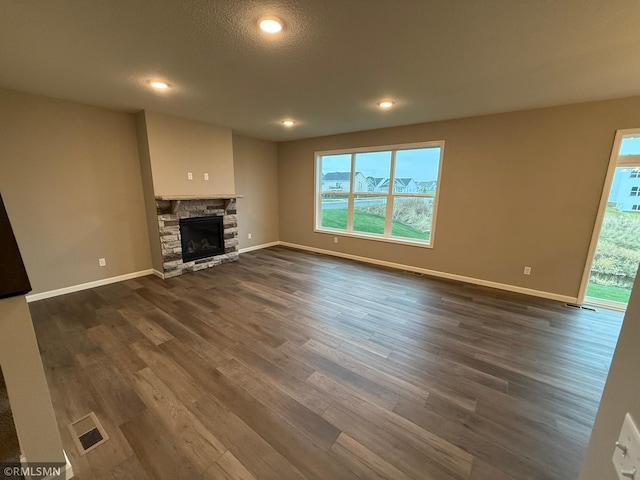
(626, 456)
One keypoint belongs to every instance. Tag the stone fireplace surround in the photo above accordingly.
(169, 212)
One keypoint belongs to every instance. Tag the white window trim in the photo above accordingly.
(390, 195)
(615, 160)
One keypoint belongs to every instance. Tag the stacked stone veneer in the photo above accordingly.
(169, 214)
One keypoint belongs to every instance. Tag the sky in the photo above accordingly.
(420, 164)
(630, 146)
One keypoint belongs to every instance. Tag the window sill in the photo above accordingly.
(364, 236)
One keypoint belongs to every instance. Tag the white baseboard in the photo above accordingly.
(84, 286)
(435, 273)
(68, 469)
(258, 247)
(398, 266)
(158, 273)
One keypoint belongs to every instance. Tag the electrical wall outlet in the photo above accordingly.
(102, 262)
(626, 453)
(335, 239)
(249, 236)
(206, 176)
(189, 175)
(527, 270)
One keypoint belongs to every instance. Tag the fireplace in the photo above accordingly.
(201, 237)
(212, 243)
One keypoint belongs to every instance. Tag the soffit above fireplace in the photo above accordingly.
(185, 158)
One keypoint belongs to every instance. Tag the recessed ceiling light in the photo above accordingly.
(385, 104)
(271, 25)
(288, 123)
(159, 85)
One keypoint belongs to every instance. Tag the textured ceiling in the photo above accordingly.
(437, 59)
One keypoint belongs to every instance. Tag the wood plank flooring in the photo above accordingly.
(291, 365)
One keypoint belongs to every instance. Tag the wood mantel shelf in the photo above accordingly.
(198, 197)
(176, 199)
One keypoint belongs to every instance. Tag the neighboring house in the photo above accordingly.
(405, 185)
(383, 186)
(402, 185)
(427, 186)
(625, 190)
(339, 182)
(375, 184)
(361, 183)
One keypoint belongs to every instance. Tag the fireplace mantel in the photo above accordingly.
(198, 197)
(177, 199)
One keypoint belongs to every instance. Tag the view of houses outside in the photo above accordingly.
(416, 172)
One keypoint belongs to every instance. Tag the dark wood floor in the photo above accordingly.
(290, 365)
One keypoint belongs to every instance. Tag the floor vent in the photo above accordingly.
(88, 433)
(416, 274)
(573, 305)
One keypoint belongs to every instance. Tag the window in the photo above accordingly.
(635, 192)
(635, 173)
(387, 193)
(635, 207)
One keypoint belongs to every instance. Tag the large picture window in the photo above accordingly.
(387, 193)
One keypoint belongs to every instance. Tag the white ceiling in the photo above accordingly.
(437, 59)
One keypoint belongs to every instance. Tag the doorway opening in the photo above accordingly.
(614, 255)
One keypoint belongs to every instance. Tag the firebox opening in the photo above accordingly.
(201, 237)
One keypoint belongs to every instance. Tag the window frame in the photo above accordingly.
(390, 195)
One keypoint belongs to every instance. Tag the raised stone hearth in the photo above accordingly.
(169, 214)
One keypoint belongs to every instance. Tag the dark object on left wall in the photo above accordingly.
(13, 276)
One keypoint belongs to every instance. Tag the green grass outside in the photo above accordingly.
(368, 223)
(616, 255)
(335, 218)
(603, 292)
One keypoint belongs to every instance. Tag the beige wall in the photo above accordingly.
(149, 195)
(517, 189)
(70, 179)
(178, 146)
(26, 384)
(256, 175)
(621, 395)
